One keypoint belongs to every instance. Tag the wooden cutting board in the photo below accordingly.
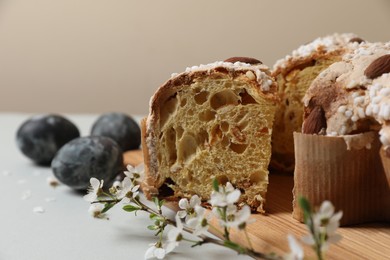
(268, 233)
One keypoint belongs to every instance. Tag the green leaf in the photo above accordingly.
(155, 217)
(130, 208)
(107, 207)
(153, 227)
(305, 206)
(156, 201)
(215, 184)
(161, 203)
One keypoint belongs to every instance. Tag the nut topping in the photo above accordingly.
(243, 59)
(357, 39)
(378, 67)
(315, 122)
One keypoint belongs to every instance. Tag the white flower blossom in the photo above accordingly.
(158, 252)
(175, 234)
(96, 210)
(128, 190)
(234, 218)
(225, 196)
(116, 187)
(188, 208)
(325, 224)
(155, 252)
(296, 251)
(136, 172)
(94, 190)
(200, 222)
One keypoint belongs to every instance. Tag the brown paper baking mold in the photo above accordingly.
(386, 163)
(343, 171)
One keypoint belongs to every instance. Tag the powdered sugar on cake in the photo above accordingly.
(262, 78)
(364, 99)
(325, 44)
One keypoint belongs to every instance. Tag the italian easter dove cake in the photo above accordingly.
(337, 156)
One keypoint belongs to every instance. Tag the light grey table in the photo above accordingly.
(65, 230)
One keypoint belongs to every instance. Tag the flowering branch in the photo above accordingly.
(322, 226)
(194, 219)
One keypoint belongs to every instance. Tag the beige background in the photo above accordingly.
(93, 56)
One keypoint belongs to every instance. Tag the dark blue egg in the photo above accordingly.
(86, 157)
(40, 137)
(121, 128)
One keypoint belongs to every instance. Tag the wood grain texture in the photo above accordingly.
(268, 233)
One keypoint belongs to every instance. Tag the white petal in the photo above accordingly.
(179, 224)
(135, 188)
(126, 183)
(334, 238)
(200, 230)
(233, 196)
(140, 168)
(129, 174)
(117, 185)
(334, 223)
(130, 168)
(244, 213)
(295, 248)
(194, 201)
(192, 222)
(172, 234)
(150, 252)
(159, 253)
(332, 227)
(326, 209)
(170, 246)
(183, 203)
(308, 240)
(214, 201)
(90, 197)
(229, 187)
(337, 216)
(216, 213)
(135, 194)
(95, 209)
(199, 211)
(181, 213)
(231, 209)
(95, 183)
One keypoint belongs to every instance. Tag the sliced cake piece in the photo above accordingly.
(212, 121)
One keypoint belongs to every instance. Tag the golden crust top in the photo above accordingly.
(335, 43)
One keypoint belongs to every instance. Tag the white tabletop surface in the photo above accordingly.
(65, 230)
